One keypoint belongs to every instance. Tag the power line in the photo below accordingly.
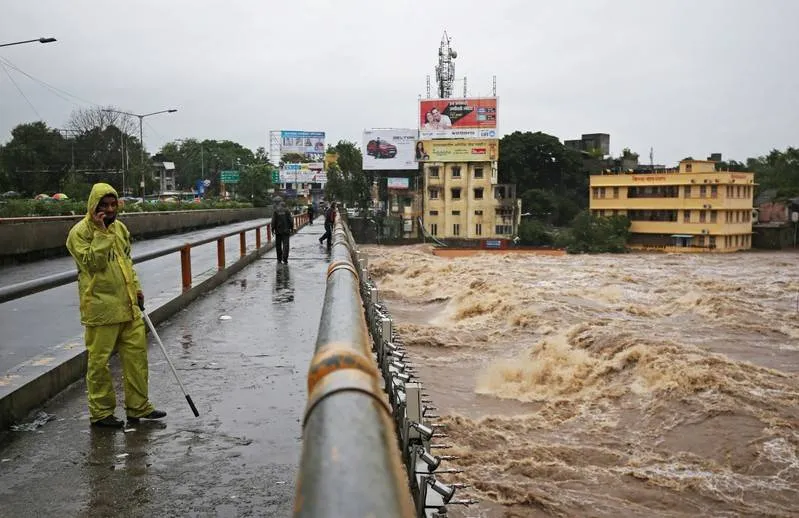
(55, 90)
(20, 91)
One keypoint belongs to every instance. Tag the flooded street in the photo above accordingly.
(611, 385)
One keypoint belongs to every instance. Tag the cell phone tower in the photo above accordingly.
(445, 70)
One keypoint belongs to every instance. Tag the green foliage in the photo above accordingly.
(346, 180)
(534, 233)
(296, 158)
(596, 234)
(196, 160)
(778, 170)
(31, 208)
(547, 174)
(35, 160)
(255, 181)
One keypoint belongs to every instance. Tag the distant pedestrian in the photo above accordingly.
(282, 228)
(110, 297)
(330, 220)
(310, 214)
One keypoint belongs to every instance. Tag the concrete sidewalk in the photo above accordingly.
(247, 375)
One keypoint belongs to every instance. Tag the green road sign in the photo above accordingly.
(229, 176)
(275, 176)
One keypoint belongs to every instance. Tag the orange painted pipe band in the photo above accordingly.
(341, 265)
(349, 380)
(334, 357)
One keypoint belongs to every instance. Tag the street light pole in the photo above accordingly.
(141, 135)
(40, 40)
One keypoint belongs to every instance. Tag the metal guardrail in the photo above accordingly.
(345, 374)
(23, 289)
(350, 464)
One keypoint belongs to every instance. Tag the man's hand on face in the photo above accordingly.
(98, 218)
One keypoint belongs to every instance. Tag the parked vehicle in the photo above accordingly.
(381, 149)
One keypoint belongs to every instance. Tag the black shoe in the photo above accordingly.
(155, 414)
(110, 421)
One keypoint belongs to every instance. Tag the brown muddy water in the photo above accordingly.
(611, 385)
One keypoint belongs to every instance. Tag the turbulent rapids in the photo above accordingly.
(611, 385)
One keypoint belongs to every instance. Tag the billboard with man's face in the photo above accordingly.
(310, 143)
(458, 118)
(389, 149)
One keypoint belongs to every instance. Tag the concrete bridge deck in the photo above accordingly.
(247, 375)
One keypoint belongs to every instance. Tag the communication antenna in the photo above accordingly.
(428, 86)
(464, 87)
(651, 158)
(445, 70)
(494, 87)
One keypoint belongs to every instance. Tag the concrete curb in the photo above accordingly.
(41, 378)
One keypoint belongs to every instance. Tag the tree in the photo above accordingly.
(36, 159)
(532, 232)
(256, 180)
(627, 154)
(196, 160)
(547, 173)
(778, 170)
(83, 120)
(596, 234)
(350, 183)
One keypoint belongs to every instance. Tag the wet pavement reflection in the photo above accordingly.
(246, 374)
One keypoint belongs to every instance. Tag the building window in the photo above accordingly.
(688, 168)
(669, 191)
(478, 172)
(456, 194)
(478, 213)
(713, 216)
(433, 194)
(714, 191)
(434, 172)
(434, 229)
(595, 192)
(615, 212)
(712, 243)
(652, 215)
(456, 213)
(434, 213)
(456, 171)
(504, 229)
(456, 229)
(686, 216)
(702, 191)
(478, 193)
(702, 216)
(615, 192)
(687, 190)
(601, 192)
(478, 229)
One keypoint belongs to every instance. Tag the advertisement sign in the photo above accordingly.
(389, 149)
(311, 143)
(458, 118)
(303, 173)
(398, 183)
(458, 150)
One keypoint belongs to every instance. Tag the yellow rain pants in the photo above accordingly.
(130, 340)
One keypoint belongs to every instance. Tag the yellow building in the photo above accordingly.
(462, 200)
(692, 208)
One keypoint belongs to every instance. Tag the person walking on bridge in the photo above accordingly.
(110, 294)
(310, 214)
(282, 228)
(330, 220)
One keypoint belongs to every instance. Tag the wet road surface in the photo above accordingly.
(32, 325)
(247, 375)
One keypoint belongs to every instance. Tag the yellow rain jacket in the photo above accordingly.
(107, 281)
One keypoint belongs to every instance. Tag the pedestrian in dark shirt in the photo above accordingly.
(330, 220)
(282, 228)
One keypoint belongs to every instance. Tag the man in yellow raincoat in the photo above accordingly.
(110, 293)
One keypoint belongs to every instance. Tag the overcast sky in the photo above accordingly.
(686, 77)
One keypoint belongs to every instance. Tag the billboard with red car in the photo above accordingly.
(389, 149)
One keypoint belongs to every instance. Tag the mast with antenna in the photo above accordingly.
(445, 70)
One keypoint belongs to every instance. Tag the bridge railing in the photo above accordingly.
(365, 400)
(23, 289)
(350, 463)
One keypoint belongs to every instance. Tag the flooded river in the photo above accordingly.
(614, 385)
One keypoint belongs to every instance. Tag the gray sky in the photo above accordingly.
(685, 76)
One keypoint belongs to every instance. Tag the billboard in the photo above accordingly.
(397, 183)
(390, 149)
(311, 143)
(303, 173)
(457, 150)
(458, 118)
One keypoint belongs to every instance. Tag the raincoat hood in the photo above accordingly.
(99, 191)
